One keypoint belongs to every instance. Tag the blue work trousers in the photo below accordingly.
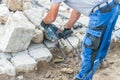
(97, 41)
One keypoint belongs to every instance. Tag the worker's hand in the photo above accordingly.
(43, 25)
(52, 32)
(66, 33)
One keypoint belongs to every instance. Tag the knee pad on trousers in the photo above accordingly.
(94, 37)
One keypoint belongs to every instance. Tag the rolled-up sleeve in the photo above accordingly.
(56, 1)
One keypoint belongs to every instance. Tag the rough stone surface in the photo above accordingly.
(84, 20)
(41, 54)
(74, 41)
(5, 56)
(17, 33)
(15, 5)
(4, 13)
(115, 37)
(117, 27)
(65, 45)
(27, 5)
(37, 15)
(117, 34)
(8, 56)
(6, 68)
(79, 36)
(35, 46)
(23, 62)
(2, 56)
(67, 70)
(118, 22)
(49, 44)
(38, 36)
(1, 26)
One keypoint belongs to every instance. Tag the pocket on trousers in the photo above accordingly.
(92, 41)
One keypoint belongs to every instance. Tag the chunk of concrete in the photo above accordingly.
(49, 44)
(14, 5)
(4, 13)
(2, 55)
(73, 41)
(6, 68)
(41, 54)
(6, 56)
(35, 46)
(17, 34)
(23, 62)
(79, 36)
(117, 34)
(37, 15)
(38, 36)
(65, 45)
(27, 5)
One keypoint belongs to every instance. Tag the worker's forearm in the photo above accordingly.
(52, 14)
(73, 18)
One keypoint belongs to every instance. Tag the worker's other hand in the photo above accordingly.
(66, 33)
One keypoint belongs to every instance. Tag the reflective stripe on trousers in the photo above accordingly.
(97, 41)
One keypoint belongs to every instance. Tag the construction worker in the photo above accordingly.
(103, 15)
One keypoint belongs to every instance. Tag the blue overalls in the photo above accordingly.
(97, 39)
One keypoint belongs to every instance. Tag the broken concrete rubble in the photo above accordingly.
(27, 5)
(41, 54)
(23, 62)
(6, 56)
(36, 17)
(4, 14)
(49, 44)
(74, 41)
(6, 68)
(38, 36)
(14, 5)
(17, 33)
(79, 36)
(35, 46)
(117, 34)
(66, 46)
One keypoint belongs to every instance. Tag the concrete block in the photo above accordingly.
(37, 15)
(27, 5)
(6, 68)
(65, 45)
(41, 54)
(74, 41)
(15, 5)
(4, 13)
(35, 46)
(49, 44)
(23, 62)
(38, 36)
(17, 34)
(6, 56)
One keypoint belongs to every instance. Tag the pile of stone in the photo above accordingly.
(21, 39)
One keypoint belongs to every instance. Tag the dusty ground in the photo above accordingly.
(55, 71)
